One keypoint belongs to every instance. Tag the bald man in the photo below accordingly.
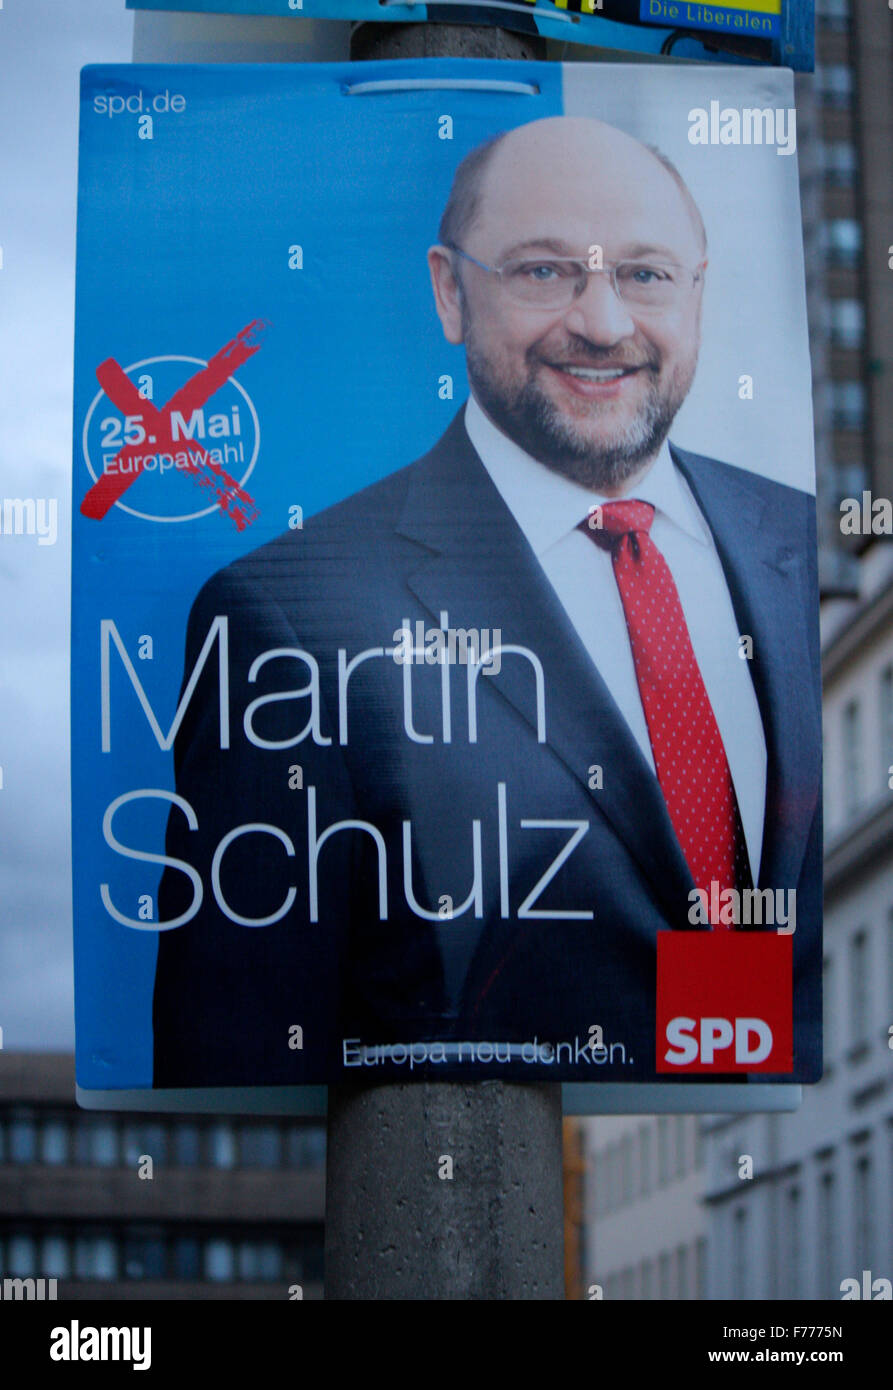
(487, 854)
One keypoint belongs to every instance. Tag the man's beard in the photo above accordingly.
(534, 422)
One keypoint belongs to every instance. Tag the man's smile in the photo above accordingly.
(595, 383)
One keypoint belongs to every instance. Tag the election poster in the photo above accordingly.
(445, 673)
(742, 31)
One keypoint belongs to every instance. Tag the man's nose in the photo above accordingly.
(599, 313)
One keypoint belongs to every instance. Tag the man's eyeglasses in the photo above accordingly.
(554, 282)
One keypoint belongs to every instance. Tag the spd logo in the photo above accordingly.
(724, 1002)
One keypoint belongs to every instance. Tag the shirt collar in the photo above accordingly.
(547, 506)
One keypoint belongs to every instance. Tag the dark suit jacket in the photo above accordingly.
(436, 537)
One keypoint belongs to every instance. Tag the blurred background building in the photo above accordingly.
(233, 1209)
(668, 1212)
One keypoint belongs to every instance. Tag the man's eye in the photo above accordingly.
(644, 274)
(541, 271)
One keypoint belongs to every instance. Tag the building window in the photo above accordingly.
(859, 988)
(701, 1267)
(104, 1144)
(889, 957)
(890, 1223)
(21, 1256)
(827, 1251)
(644, 1160)
(682, 1289)
(626, 1285)
(610, 1185)
(839, 163)
(835, 83)
(22, 1136)
(149, 1139)
(833, 14)
(645, 1281)
(96, 1141)
(740, 1253)
(144, 1253)
(680, 1145)
(187, 1259)
(55, 1257)
(261, 1146)
(847, 323)
(886, 704)
(186, 1146)
(663, 1150)
(848, 405)
(699, 1142)
(223, 1145)
(863, 1213)
(249, 1261)
(626, 1170)
(219, 1262)
(663, 1277)
(305, 1260)
(828, 1007)
(793, 1247)
(54, 1141)
(841, 240)
(270, 1260)
(852, 756)
(315, 1142)
(96, 1257)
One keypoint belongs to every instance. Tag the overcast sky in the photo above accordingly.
(43, 45)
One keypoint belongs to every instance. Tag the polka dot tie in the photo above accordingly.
(689, 756)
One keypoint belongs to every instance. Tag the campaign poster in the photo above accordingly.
(445, 670)
(744, 31)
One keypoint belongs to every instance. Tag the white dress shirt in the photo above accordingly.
(549, 508)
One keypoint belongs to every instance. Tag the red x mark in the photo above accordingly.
(191, 396)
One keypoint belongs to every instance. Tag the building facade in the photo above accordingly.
(141, 1206)
(819, 1206)
(845, 120)
(646, 1228)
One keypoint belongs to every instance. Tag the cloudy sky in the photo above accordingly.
(43, 45)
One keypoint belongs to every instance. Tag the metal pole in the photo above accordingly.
(444, 1190)
(376, 40)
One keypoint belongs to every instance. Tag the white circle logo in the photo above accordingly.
(162, 459)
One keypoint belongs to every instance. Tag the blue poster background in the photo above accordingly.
(183, 240)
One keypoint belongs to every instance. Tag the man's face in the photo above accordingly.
(590, 389)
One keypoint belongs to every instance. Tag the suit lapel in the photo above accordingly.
(483, 574)
(772, 596)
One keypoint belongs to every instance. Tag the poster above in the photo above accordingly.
(757, 18)
(445, 693)
(779, 32)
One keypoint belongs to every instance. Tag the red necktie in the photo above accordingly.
(689, 756)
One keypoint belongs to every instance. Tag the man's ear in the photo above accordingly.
(447, 293)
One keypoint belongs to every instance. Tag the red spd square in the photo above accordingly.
(724, 1002)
